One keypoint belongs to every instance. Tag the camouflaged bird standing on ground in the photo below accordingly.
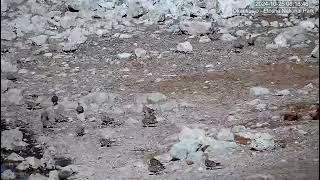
(149, 119)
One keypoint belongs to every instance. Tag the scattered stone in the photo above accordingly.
(8, 67)
(260, 177)
(227, 37)
(34, 162)
(264, 23)
(195, 27)
(69, 47)
(125, 36)
(23, 166)
(295, 59)
(14, 157)
(8, 175)
(65, 174)
(307, 25)
(140, 53)
(185, 47)
(7, 33)
(225, 134)
(4, 85)
(37, 177)
(315, 52)
(284, 92)
(11, 77)
(204, 39)
(258, 91)
(155, 97)
(77, 36)
(238, 45)
(124, 55)
(274, 24)
(39, 40)
(136, 9)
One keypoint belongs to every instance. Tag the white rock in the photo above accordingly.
(295, 59)
(13, 96)
(307, 25)
(125, 36)
(261, 107)
(227, 37)
(264, 23)
(315, 52)
(281, 41)
(8, 67)
(240, 33)
(124, 55)
(14, 157)
(204, 39)
(34, 162)
(23, 166)
(238, 128)
(253, 102)
(8, 33)
(11, 139)
(195, 27)
(140, 53)
(54, 175)
(284, 92)
(258, 91)
(169, 106)
(136, 8)
(4, 85)
(155, 97)
(37, 177)
(185, 47)
(262, 141)
(260, 177)
(77, 36)
(274, 24)
(164, 158)
(225, 134)
(8, 175)
(39, 40)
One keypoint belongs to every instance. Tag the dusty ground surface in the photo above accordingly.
(216, 97)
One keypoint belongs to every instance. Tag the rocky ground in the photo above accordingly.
(182, 98)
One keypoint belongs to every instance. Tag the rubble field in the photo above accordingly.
(144, 89)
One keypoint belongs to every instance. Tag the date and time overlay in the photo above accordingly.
(277, 7)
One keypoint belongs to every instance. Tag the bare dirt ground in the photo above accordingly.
(217, 96)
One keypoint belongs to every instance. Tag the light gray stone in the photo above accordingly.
(315, 52)
(39, 40)
(225, 134)
(204, 39)
(13, 96)
(140, 53)
(227, 37)
(12, 139)
(37, 177)
(124, 55)
(195, 27)
(8, 67)
(14, 157)
(185, 47)
(155, 97)
(4, 85)
(258, 91)
(8, 175)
